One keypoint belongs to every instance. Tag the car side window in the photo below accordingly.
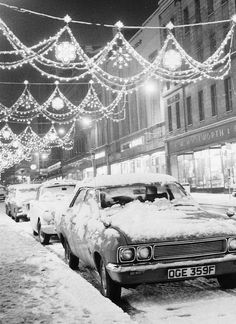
(79, 197)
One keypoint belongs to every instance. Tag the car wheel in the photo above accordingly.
(16, 219)
(227, 281)
(109, 288)
(71, 259)
(43, 237)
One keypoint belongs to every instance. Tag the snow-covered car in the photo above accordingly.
(17, 198)
(52, 196)
(145, 228)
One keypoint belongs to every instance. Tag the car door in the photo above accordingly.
(69, 220)
(85, 225)
(34, 210)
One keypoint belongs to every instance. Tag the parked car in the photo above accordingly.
(2, 192)
(18, 196)
(52, 196)
(145, 228)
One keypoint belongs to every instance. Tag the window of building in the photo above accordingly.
(228, 94)
(210, 6)
(177, 109)
(170, 118)
(186, 20)
(200, 51)
(201, 106)
(197, 11)
(212, 42)
(213, 100)
(189, 111)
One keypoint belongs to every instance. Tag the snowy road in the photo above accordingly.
(192, 301)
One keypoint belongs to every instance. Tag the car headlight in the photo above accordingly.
(144, 253)
(127, 254)
(232, 244)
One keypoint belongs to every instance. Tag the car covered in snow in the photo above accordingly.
(52, 196)
(145, 228)
(17, 198)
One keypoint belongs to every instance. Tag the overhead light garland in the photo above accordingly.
(121, 55)
(58, 108)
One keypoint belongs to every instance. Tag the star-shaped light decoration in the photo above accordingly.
(65, 52)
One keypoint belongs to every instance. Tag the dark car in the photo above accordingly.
(145, 228)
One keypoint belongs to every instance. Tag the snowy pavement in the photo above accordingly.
(38, 287)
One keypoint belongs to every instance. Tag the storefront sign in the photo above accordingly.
(216, 135)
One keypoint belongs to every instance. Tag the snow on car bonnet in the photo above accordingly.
(145, 221)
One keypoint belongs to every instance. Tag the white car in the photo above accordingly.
(51, 197)
(17, 199)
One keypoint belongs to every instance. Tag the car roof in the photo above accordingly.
(52, 183)
(127, 179)
(24, 186)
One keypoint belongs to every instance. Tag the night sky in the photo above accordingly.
(31, 29)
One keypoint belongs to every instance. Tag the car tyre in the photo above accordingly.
(71, 259)
(43, 237)
(109, 288)
(16, 219)
(227, 281)
(35, 233)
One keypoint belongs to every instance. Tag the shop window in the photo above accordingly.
(170, 118)
(189, 111)
(228, 94)
(201, 106)
(210, 6)
(186, 169)
(197, 11)
(202, 169)
(178, 122)
(186, 20)
(213, 100)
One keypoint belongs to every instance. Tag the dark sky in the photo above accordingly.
(130, 12)
(31, 29)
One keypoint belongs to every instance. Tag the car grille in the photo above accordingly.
(177, 250)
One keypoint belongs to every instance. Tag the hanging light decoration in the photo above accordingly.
(65, 52)
(172, 60)
(57, 103)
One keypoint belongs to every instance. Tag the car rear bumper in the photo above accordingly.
(48, 229)
(158, 272)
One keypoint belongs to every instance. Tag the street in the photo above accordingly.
(180, 302)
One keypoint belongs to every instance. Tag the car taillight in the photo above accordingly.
(232, 244)
(144, 253)
(127, 254)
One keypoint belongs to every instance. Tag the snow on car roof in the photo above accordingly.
(128, 179)
(61, 182)
(24, 186)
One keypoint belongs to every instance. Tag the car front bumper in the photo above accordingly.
(158, 271)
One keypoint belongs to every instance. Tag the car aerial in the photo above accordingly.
(17, 197)
(145, 228)
(2, 192)
(52, 195)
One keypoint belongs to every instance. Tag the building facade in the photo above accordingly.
(200, 117)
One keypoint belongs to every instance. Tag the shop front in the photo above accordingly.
(206, 159)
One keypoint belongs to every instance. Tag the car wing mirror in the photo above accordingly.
(230, 212)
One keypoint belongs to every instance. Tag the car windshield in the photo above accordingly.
(59, 191)
(26, 193)
(122, 195)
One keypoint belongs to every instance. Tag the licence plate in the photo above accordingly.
(191, 272)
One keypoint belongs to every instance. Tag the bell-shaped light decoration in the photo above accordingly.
(172, 60)
(6, 134)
